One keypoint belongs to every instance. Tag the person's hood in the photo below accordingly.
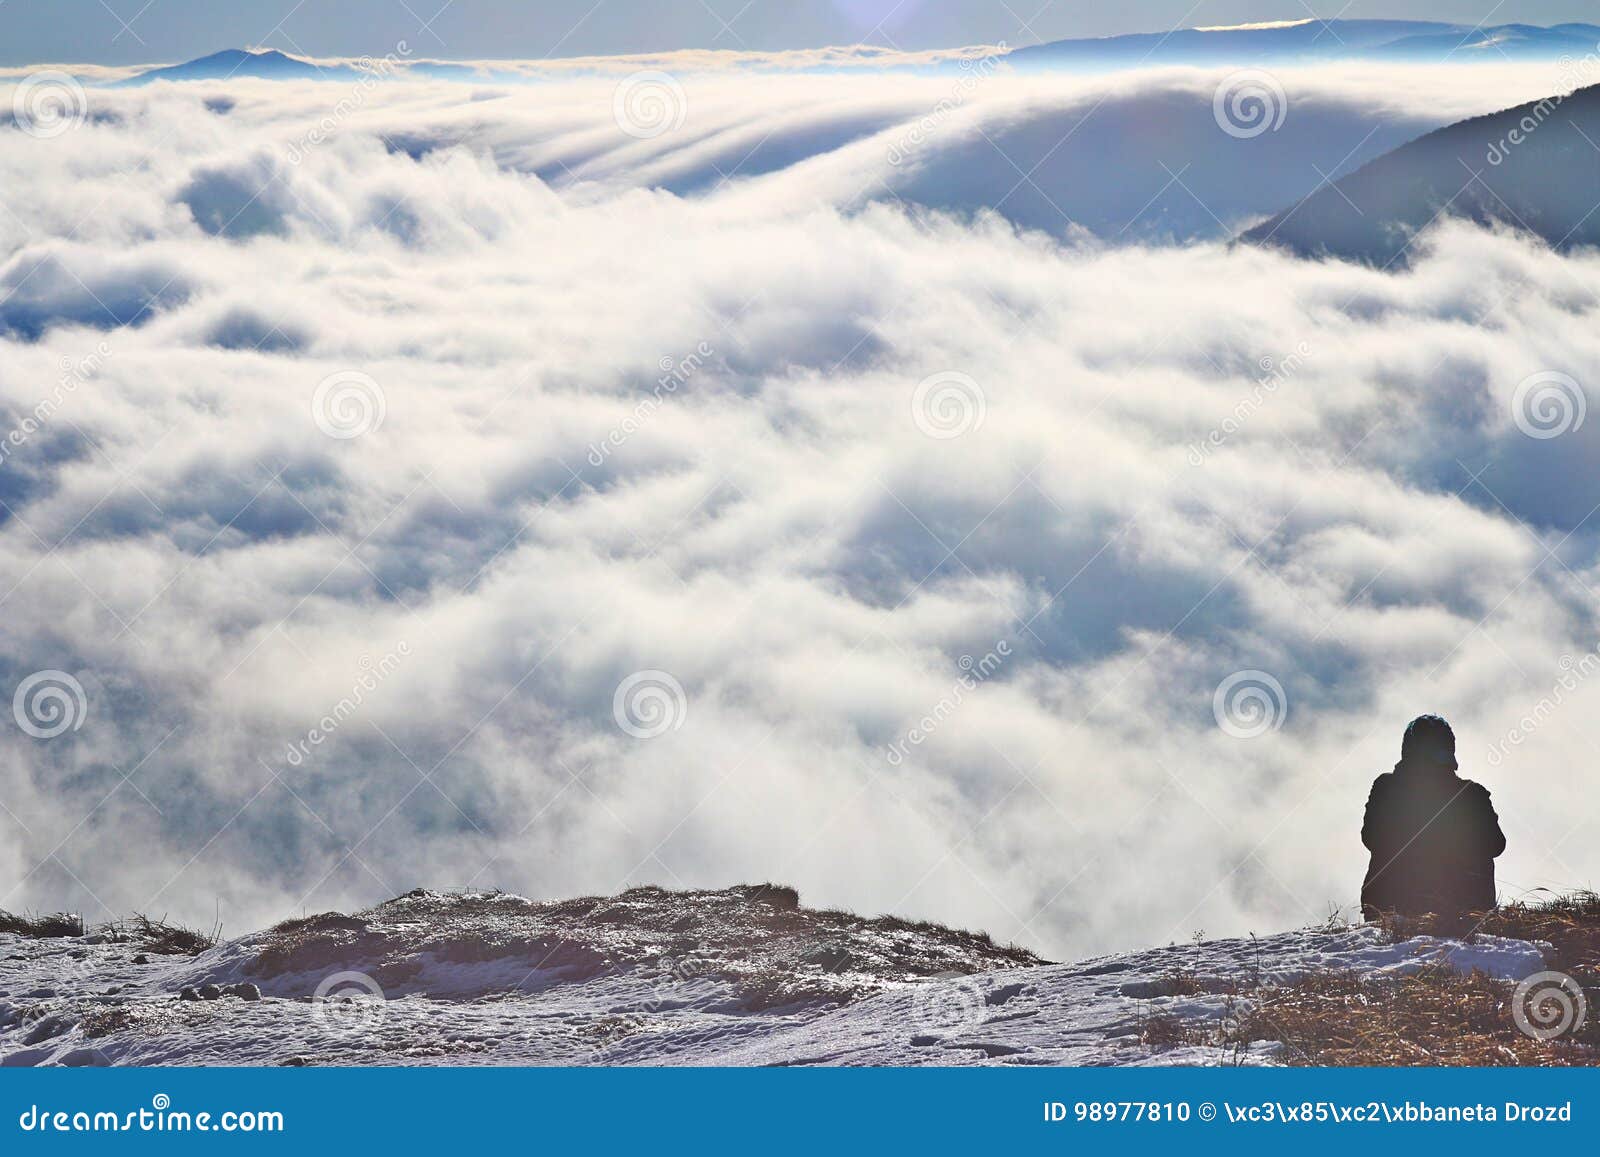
(1428, 740)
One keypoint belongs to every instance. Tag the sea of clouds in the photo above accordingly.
(892, 485)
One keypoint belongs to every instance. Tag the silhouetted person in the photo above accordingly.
(1433, 835)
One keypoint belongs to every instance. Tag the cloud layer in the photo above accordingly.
(366, 440)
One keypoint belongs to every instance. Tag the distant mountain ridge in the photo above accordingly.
(1313, 40)
(269, 64)
(1289, 42)
(1535, 167)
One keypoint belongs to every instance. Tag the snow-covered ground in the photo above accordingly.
(738, 977)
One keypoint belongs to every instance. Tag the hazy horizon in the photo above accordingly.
(124, 32)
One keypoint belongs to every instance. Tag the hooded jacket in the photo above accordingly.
(1433, 838)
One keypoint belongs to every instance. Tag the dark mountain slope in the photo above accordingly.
(1535, 167)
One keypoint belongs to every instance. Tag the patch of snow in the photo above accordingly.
(74, 1001)
(1095, 1012)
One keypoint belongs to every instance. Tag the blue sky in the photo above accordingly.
(125, 31)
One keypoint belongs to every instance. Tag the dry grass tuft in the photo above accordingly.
(40, 927)
(1163, 1030)
(1437, 1016)
(1180, 982)
(1570, 923)
(152, 935)
(168, 939)
(1434, 1017)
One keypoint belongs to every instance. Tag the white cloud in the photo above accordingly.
(776, 531)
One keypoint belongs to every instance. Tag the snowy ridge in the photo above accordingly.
(1095, 1012)
(742, 976)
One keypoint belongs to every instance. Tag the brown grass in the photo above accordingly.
(152, 935)
(1570, 923)
(1437, 1016)
(1163, 1030)
(1180, 982)
(1434, 1017)
(40, 927)
(168, 939)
